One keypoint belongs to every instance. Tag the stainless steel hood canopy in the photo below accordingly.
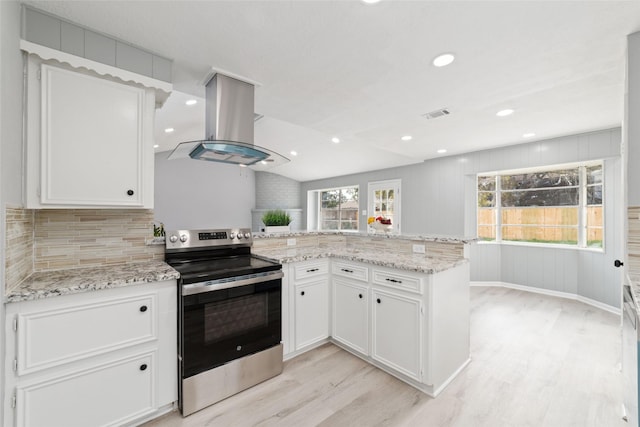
(229, 128)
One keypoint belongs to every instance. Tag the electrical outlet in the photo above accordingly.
(291, 242)
(418, 249)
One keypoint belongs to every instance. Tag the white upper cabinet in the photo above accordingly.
(89, 140)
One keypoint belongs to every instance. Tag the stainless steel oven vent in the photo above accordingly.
(229, 125)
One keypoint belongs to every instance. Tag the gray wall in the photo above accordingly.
(191, 194)
(632, 137)
(438, 197)
(10, 135)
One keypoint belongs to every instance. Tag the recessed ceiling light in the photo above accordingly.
(335, 140)
(444, 59)
(169, 130)
(441, 151)
(156, 146)
(528, 135)
(407, 138)
(370, 1)
(191, 102)
(503, 113)
(294, 153)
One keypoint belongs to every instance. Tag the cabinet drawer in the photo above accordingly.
(308, 270)
(107, 395)
(54, 337)
(397, 280)
(352, 271)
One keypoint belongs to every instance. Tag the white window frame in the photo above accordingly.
(319, 208)
(582, 205)
(396, 186)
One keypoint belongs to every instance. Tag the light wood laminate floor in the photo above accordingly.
(536, 361)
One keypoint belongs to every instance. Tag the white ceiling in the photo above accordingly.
(363, 73)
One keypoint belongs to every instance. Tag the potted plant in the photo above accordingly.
(276, 221)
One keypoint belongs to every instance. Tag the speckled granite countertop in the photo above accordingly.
(63, 282)
(429, 238)
(410, 262)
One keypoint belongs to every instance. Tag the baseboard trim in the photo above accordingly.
(566, 295)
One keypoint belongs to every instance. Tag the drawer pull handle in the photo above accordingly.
(143, 367)
(346, 270)
(312, 270)
(143, 308)
(360, 296)
(129, 192)
(393, 280)
(378, 300)
(302, 293)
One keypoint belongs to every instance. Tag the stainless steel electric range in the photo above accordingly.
(229, 315)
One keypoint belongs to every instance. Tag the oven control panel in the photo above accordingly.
(180, 239)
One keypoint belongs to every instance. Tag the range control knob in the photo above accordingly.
(247, 235)
(232, 236)
(173, 238)
(183, 238)
(239, 235)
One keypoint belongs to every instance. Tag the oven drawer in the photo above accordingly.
(54, 337)
(311, 269)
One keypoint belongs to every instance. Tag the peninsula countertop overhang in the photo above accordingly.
(401, 261)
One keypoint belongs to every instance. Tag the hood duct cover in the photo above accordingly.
(229, 125)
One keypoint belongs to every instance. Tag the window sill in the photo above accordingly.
(541, 245)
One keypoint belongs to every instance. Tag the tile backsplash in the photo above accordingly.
(53, 239)
(18, 245)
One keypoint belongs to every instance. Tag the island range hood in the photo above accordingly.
(229, 124)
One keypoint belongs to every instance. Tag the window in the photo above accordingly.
(554, 206)
(338, 209)
(384, 201)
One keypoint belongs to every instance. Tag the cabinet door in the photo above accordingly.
(62, 335)
(93, 140)
(107, 395)
(396, 332)
(350, 312)
(312, 313)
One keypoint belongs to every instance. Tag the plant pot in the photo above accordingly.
(277, 229)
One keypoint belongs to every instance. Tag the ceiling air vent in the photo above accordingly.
(436, 113)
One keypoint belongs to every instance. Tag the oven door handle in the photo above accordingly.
(217, 285)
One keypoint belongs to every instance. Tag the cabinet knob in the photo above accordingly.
(143, 308)
(360, 296)
(130, 192)
(618, 263)
(302, 293)
(378, 300)
(143, 367)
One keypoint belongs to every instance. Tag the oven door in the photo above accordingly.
(227, 319)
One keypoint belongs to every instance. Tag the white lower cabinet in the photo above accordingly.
(396, 329)
(109, 394)
(413, 325)
(351, 314)
(312, 312)
(305, 304)
(101, 358)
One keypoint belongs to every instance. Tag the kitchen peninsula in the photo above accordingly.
(399, 302)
